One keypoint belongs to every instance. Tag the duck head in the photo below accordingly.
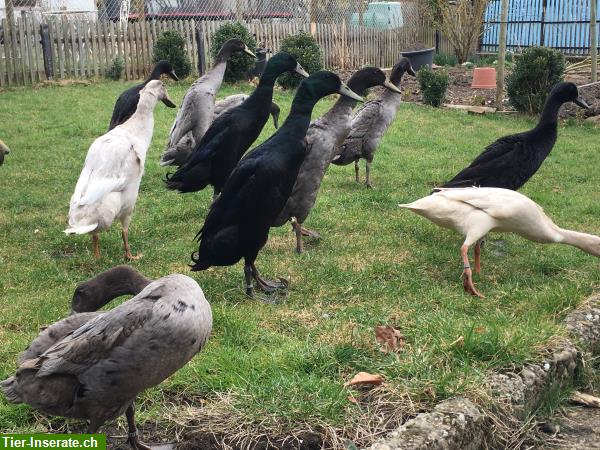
(323, 83)
(4, 150)
(284, 62)
(400, 68)
(233, 46)
(157, 89)
(93, 294)
(163, 67)
(368, 77)
(567, 92)
(275, 114)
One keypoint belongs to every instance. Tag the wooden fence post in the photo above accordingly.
(593, 40)
(201, 54)
(501, 55)
(543, 23)
(47, 51)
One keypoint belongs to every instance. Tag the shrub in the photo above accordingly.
(305, 49)
(240, 62)
(116, 69)
(534, 75)
(433, 84)
(445, 59)
(460, 21)
(170, 46)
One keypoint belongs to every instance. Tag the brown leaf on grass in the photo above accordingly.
(458, 342)
(365, 378)
(390, 338)
(479, 330)
(585, 399)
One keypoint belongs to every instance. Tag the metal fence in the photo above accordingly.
(560, 24)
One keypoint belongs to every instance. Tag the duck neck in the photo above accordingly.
(583, 241)
(142, 120)
(549, 116)
(263, 94)
(298, 120)
(155, 74)
(93, 294)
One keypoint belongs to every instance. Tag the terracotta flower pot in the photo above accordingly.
(484, 78)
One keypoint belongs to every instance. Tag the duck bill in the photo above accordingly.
(248, 52)
(168, 102)
(275, 120)
(389, 85)
(299, 69)
(345, 90)
(411, 71)
(581, 102)
(173, 75)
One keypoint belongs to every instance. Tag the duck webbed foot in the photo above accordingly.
(467, 277)
(310, 233)
(268, 287)
(467, 274)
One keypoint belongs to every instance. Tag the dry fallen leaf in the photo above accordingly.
(479, 330)
(585, 399)
(390, 338)
(364, 378)
(459, 342)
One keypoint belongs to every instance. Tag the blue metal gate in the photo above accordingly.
(560, 24)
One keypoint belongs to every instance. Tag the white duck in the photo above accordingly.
(474, 212)
(108, 186)
(93, 365)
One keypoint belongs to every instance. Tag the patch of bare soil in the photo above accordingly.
(459, 90)
(578, 428)
(590, 94)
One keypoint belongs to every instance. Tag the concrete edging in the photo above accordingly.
(460, 424)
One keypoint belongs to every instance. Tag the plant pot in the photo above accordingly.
(484, 78)
(420, 58)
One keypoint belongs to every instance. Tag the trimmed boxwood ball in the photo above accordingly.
(305, 49)
(240, 62)
(535, 73)
(171, 46)
(433, 84)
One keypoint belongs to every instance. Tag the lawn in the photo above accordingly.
(280, 369)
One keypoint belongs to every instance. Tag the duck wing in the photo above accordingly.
(363, 124)
(228, 103)
(505, 164)
(96, 339)
(107, 169)
(54, 333)
(125, 106)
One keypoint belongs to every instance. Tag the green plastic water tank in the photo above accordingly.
(381, 15)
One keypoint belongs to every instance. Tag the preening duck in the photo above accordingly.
(236, 100)
(238, 222)
(474, 212)
(512, 160)
(370, 123)
(4, 150)
(128, 100)
(93, 365)
(323, 138)
(108, 186)
(231, 134)
(185, 146)
(197, 109)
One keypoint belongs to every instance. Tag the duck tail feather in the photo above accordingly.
(82, 229)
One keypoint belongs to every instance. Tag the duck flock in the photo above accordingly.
(92, 364)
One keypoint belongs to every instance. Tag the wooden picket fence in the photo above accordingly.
(54, 48)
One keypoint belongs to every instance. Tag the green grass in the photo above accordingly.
(284, 366)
